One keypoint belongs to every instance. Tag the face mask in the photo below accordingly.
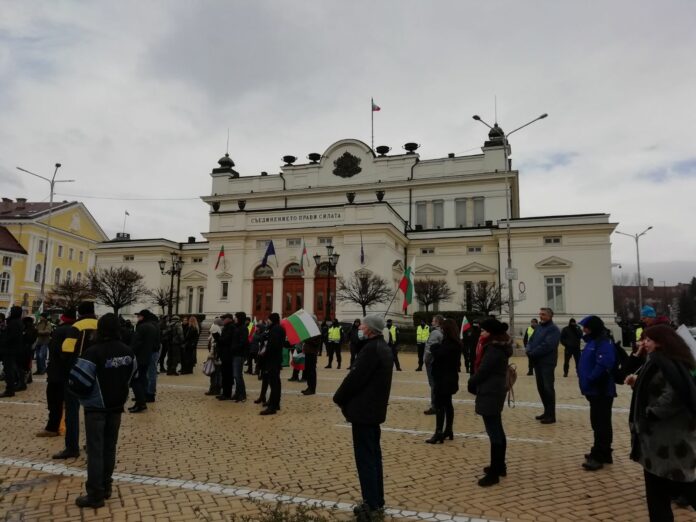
(361, 335)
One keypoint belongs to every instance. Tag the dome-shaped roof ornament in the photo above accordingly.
(226, 161)
(226, 165)
(496, 136)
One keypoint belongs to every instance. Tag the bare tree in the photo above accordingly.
(68, 294)
(363, 289)
(160, 297)
(486, 298)
(116, 287)
(432, 291)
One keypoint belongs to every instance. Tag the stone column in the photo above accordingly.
(278, 294)
(309, 293)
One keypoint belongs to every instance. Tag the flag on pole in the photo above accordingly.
(221, 255)
(362, 251)
(303, 256)
(300, 326)
(465, 326)
(406, 284)
(375, 107)
(270, 251)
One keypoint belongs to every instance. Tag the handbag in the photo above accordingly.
(209, 366)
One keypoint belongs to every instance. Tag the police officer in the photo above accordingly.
(422, 333)
(394, 343)
(334, 344)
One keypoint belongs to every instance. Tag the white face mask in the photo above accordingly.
(361, 335)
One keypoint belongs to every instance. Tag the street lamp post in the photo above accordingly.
(177, 265)
(331, 262)
(636, 238)
(52, 182)
(509, 272)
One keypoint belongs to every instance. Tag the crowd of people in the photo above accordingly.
(94, 363)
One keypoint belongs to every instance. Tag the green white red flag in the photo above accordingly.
(300, 326)
(406, 285)
(221, 256)
(303, 256)
(465, 326)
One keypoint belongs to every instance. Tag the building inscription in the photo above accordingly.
(298, 218)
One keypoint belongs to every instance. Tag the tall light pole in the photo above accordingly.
(177, 265)
(331, 262)
(636, 238)
(52, 182)
(506, 168)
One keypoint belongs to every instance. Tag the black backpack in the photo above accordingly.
(618, 372)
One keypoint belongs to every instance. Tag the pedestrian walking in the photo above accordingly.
(175, 337)
(570, 339)
(311, 348)
(216, 377)
(363, 397)
(239, 350)
(354, 343)
(225, 341)
(469, 342)
(445, 380)
(334, 344)
(190, 347)
(542, 349)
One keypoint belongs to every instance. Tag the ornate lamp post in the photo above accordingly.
(175, 270)
(330, 263)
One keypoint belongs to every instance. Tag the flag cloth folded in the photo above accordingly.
(362, 251)
(375, 108)
(221, 255)
(303, 256)
(270, 251)
(465, 326)
(406, 285)
(300, 326)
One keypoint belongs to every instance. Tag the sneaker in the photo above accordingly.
(86, 501)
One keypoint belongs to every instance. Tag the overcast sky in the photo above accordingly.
(135, 98)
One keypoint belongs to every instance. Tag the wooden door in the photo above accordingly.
(262, 305)
(293, 295)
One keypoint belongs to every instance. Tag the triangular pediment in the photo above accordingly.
(195, 275)
(475, 268)
(554, 262)
(430, 270)
(224, 275)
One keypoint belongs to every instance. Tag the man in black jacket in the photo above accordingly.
(570, 339)
(11, 343)
(100, 378)
(273, 362)
(144, 343)
(225, 340)
(363, 397)
(240, 350)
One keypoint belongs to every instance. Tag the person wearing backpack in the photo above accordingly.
(489, 382)
(596, 380)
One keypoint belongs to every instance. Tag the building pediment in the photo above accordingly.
(224, 275)
(554, 262)
(475, 268)
(430, 270)
(195, 275)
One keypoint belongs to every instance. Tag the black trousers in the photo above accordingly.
(163, 356)
(310, 371)
(444, 411)
(421, 351)
(569, 353)
(139, 385)
(467, 360)
(264, 386)
(334, 349)
(102, 436)
(9, 365)
(545, 379)
(54, 401)
(395, 355)
(659, 493)
(530, 368)
(227, 371)
(173, 358)
(496, 435)
(273, 376)
(600, 419)
(368, 461)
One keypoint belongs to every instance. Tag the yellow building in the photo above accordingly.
(73, 232)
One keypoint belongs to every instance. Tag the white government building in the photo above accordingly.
(449, 213)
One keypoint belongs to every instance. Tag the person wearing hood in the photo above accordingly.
(597, 384)
(216, 377)
(144, 343)
(489, 384)
(11, 350)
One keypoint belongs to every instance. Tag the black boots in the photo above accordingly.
(497, 468)
(437, 438)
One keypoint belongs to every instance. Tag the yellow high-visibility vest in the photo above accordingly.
(392, 333)
(335, 334)
(422, 333)
(530, 332)
(639, 333)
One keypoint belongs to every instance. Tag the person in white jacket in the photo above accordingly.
(216, 376)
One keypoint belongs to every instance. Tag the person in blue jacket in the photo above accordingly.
(542, 350)
(597, 385)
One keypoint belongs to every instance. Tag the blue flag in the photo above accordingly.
(362, 251)
(270, 251)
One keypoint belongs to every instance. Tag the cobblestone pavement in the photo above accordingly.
(191, 457)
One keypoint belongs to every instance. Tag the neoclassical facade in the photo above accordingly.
(379, 212)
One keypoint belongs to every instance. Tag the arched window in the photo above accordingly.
(78, 277)
(56, 277)
(37, 273)
(263, 272)
(68, 276)
(5, 283)
(293, 270)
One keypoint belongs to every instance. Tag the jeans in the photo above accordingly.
(421, 352)
(545, 376)
(102, 435)
(368, 461)
(238, 373)
(139, 384)
(72, 422)
(569, 353)
(152, 375)
(310, 371)
(41, 351)
(659, 493)
(429, 373)
(600, 419)
(54, 401)
(496, 435)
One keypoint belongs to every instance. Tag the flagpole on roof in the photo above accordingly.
(125, 216)
(372, 121)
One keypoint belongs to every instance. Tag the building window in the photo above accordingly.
(37, 273)
(128, 258)
(56, 277)
(60, 250)
(460, 212)
(427, 251)
(189, 299)
(479, 214)
(555, 293)
(552, 240)
(4, 283)
(325, 240)
(6, 261)
(201, 296)
(68, 276)
(421, 214)
(294, 242)
(78, 277)
(197, 260)
(477, 249)
(82, 256)
(71, 254)
(438, 214)
(41, 246)
(262, 243)
(224, 289)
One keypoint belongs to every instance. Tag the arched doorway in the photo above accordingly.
(263, 292)
(293, 289)
(324, 287)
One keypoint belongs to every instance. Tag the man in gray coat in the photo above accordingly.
(363, 397)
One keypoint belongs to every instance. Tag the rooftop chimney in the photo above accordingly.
(21, 203)
(122, 236)
(191, 239)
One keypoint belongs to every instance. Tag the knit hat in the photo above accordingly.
(648, 311)
(493, 326)
(374, 322)
(85, 308)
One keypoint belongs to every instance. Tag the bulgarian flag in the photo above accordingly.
(406, 284)
(375, 107)
(465, 326)
(221, 255)
(303, 256)
(299, 327)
